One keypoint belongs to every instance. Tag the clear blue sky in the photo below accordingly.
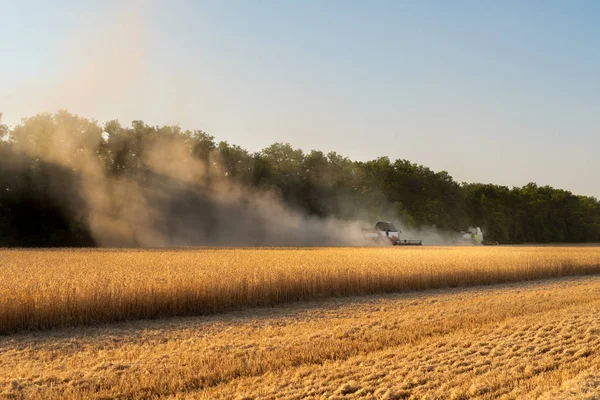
(506, 92)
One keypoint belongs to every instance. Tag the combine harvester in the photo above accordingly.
(474, 236)
(386, 233)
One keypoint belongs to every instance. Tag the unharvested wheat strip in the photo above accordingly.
(47, 289)
(191, 356)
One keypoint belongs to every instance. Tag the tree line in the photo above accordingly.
(41, 174)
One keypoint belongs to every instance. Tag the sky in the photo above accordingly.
(496, 92)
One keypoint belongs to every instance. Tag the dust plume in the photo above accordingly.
(146, 187)
(172, 199)
(177, 199)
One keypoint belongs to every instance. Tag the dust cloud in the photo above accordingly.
(181, 201)
(176, 199)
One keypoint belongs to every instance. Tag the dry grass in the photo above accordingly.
(47, 289)
(512, 341)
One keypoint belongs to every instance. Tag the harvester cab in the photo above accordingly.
(386, 233)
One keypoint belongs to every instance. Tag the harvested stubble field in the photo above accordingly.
(525, 339)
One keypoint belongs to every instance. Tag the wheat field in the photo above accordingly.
(335, 323)
(509, 341)
(47, 289)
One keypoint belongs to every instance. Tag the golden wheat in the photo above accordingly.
(46, 289)
(509, 341)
